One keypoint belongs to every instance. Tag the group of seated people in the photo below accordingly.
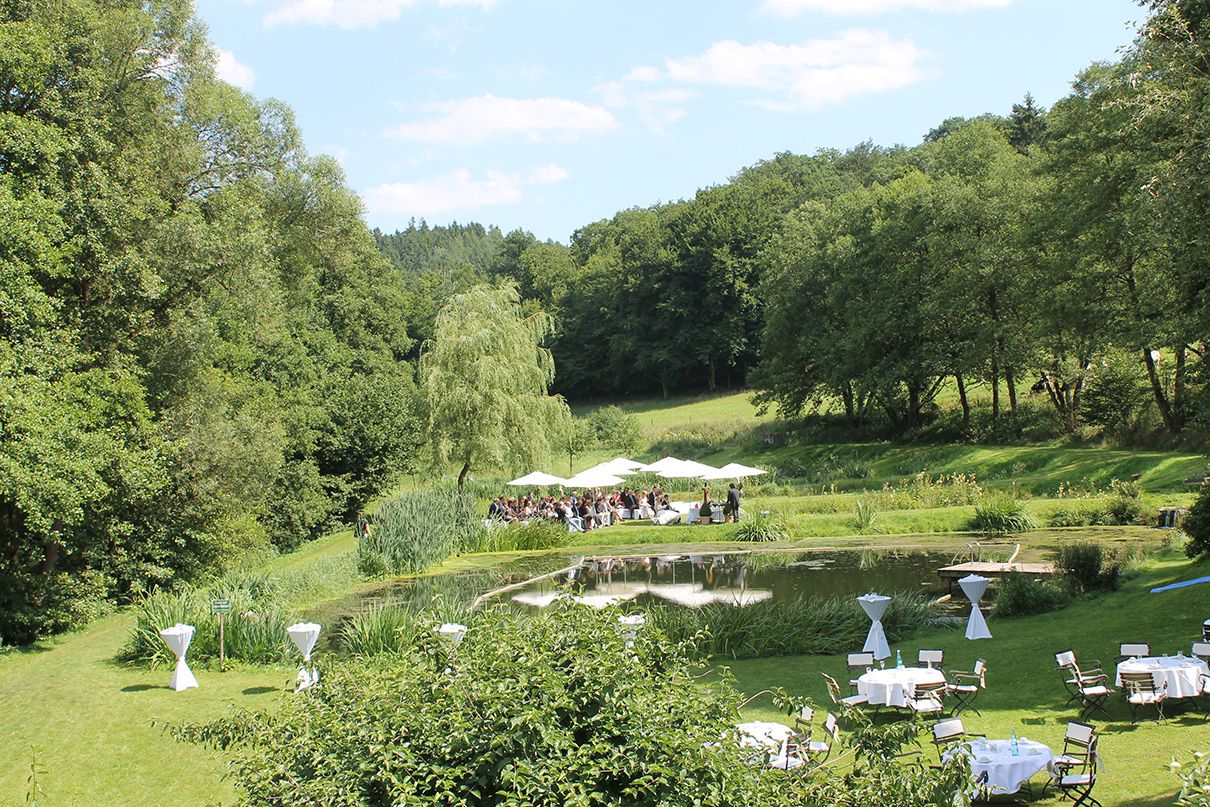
(587, 510)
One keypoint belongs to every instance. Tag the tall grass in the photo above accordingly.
(419, 529)
(535, 535)
(1001, 514)
(805, 626)
(255, 629)
(757, 527)
(866, 517)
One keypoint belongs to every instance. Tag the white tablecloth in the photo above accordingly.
(1180, 673)
(1006, 773)
(894, 687)
(766, 736)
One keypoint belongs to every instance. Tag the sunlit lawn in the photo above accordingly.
(1025, 693)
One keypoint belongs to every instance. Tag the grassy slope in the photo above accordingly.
(1025, 692)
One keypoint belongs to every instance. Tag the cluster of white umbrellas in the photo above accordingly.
(612, 472)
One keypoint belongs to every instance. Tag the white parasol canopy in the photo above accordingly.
(178, 638)
(974, 587)
(875, 606)
(741, 471)
(618, 467)
(686, 469)
(660, 464)
(626, 464)
(537, 478)
(593, 479)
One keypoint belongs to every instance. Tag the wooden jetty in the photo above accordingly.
(951, 574)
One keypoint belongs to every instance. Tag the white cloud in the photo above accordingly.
(484, 117)
(803, 76)
(792, 8)
(352, 13)
(458, 191)
(232, 71)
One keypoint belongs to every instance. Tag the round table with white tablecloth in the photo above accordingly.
(1181, 674)
(1007, 773)
(770, 739)
(896, 686)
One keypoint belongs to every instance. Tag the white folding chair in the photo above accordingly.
(930, 658)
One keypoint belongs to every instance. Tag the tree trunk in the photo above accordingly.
(710, 375)
(913, 416)
(995, 374)
(966, 406)
(466, 467)
(1178, 385)
(1011, 380)
(1161, 399)
(850, 411)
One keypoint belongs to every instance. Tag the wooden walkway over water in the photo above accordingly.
(951, 574)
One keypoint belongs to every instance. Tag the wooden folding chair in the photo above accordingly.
(930, 658)
(1140, 690)
(965, 686)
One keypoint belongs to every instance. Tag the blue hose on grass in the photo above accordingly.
(1171, 586)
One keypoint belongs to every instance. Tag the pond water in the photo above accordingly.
(738, 579)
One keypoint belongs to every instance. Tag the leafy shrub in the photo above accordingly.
(616, 428)
(1197, 525)
(866, 519)
(1085, 567)
(802, 626)
(418, 530)
(1195, 780)
(756, 527)
(1001, 514)
(1021, 595)
(35, 605)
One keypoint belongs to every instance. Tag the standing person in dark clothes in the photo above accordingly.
(733, 503)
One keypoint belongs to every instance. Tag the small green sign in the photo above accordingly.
(221, 606)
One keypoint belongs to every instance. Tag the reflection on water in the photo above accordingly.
(738, 579)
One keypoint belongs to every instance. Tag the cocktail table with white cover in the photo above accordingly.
(1181, 674)
(896, 686)
(1007, 773)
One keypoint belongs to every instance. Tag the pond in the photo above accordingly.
(737, 578)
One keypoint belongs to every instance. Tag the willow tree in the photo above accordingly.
(486, 378)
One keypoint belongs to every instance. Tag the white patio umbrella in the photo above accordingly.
(178, 638)
(741, 471)
(593, 479)
(626, 464)
(687, 469)
(875, 606)
(537, 478)
(660, 464)
(974, 587)
(305, 635)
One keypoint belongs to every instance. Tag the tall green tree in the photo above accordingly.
(486, 378)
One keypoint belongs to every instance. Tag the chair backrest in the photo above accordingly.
(980, 669)
(861, 661)
(803, 720)
(931, 657)
(1066, 659)
(1201, 650)
(1132, 649)
(945, 731)
(930, 690)
(832, 726)
(1138, 681)
(1081, 734)
(833, 687)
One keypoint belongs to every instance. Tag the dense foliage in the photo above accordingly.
(199, 351)
(548, 710)
(1197, 525)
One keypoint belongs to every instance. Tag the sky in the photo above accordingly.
(548, 116)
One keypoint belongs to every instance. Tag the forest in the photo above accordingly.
(206, 353)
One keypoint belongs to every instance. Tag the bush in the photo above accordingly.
(1195, 780)
(418, 530)
(802, 626)
(1020, 595)
(1084, 567)
(756, 527)
(1197, 525)
(615, 428)
(1002, 514)
(866, 519)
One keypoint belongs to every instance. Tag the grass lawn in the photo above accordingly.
(1024, 691)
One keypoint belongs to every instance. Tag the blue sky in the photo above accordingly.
(551, 115)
